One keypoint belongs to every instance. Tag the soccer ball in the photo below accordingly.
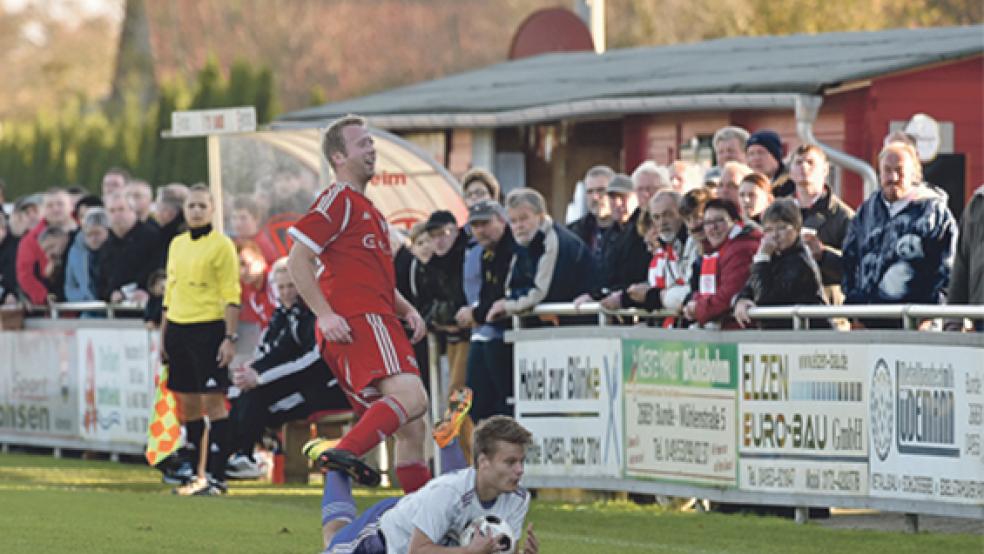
(491, 526)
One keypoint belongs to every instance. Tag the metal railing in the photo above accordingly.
(55, 309)
(909, 314)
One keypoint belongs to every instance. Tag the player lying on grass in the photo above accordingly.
(434, 518)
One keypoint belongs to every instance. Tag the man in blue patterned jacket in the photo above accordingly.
(899, 248)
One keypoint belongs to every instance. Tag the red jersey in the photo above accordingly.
(351, 239)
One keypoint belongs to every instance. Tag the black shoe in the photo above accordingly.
(180, 473)
(348, 463)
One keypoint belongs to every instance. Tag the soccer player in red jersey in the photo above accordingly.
(342, 266)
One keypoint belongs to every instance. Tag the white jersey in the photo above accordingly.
(444, 507)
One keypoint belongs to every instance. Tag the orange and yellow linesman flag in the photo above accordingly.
(164, 432)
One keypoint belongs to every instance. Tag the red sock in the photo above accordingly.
(381, 420)
(412, 476)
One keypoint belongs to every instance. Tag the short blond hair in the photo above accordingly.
(279, 266)
(333, 140)
(903, 147)
(498, 428)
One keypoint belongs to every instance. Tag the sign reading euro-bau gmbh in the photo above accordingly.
(568, 394)
(680, 411)
(803, 418)
(927, 423)
(200, 123)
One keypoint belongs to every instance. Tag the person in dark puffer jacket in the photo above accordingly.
(783, 272)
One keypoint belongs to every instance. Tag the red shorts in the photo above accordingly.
(379, 348)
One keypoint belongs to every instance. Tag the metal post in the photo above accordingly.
(912, 523)
(215, 181)
(434, 363)
(802, 515)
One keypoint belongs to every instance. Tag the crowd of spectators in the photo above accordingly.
(701, 247)
(758, 229)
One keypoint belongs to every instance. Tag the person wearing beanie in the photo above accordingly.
(764, 154)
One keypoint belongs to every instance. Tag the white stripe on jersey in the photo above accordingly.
(390, 360)
(305, 240)
(345, 220)
(329, 197)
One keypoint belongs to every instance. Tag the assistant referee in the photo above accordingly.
(201, 315)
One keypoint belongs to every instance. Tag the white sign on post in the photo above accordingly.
(568, 394)
(803, 426)
(927, 423)
(200, 123)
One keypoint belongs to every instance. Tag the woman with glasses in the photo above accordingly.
(784, 272)
(724, 267)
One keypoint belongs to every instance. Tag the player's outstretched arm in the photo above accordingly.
(301, 265)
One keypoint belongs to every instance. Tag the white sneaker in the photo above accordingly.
(241, 466)
(201, 487)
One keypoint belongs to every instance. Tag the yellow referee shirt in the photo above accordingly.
(202, 278)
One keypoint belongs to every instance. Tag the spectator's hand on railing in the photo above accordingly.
(584, 298)
(246, 378)
(465, 317)
(690, 310)
(498, 310)
(637, 292)
(741, 312)
(140, 296)
(115, 297)
(612, 302)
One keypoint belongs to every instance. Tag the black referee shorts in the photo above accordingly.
(191, 351)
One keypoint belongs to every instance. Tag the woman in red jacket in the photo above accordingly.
(724, 268)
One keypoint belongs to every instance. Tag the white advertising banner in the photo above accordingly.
(680, 411)
(117, 384)
(927, 423)
(568, 394)
(803, 413)
(37, 385)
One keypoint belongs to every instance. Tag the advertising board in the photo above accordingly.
(927, 423)
(803, 418)
(680, 411)
(116, 388)
(568, 394)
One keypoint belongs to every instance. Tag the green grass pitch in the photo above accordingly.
(76, 506)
